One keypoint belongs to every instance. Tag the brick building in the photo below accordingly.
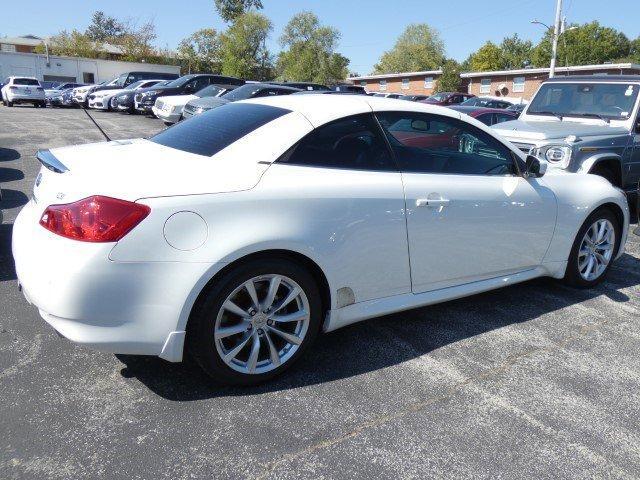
(521, 83)
(524, 82)
(411, 83)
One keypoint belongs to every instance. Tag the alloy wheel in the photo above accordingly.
(261, 324)
(596, 249)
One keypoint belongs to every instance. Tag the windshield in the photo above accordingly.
(137, 84)
(439, 96)
(243, 92)
(210, 91)
(613, 101)
(178, 82)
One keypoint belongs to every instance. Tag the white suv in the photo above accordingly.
(22, 90)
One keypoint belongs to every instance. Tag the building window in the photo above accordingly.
(485, 85)
(7, 47)
(406, 84)
(363, 83)
(518, 84)
(383, 85)
(428, 83)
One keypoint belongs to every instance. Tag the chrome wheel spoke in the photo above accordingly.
(289, 337)
(288, 299)
(251, 290)
(290, 317)
(253, 356)
(596, 249)
(273, 352)
(274, 284)
(233, 308)
(234, 353)
(225, 332)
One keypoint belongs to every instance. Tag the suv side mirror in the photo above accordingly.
(536, 168)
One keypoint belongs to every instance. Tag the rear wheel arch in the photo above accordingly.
(304, 261)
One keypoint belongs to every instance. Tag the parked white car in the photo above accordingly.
(169, 109)
(244, 232)
(22, 90)
(80, 94)
(101, 100)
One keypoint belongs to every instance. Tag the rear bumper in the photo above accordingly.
(25, 98)
(118, 307)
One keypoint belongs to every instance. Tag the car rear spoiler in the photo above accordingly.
(49, 160)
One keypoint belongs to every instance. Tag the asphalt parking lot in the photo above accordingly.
(532, 381)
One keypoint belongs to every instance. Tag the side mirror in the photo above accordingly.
(536, 168)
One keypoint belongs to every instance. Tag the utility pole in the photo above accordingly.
(556, 34)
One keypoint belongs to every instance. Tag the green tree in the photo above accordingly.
(587, 44)
(200, 52)
(310, 52)
(488, 57)
(73, 44)
(229, 10)
(137, 43)
(418, 48)
(449, 81)
(634, 51)
(243, 48)
(516, 53)
(104, 28)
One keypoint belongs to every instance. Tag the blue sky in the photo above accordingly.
(368, 28)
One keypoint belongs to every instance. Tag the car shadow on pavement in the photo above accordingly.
(10, 175)
(8, 154)
(12, 198)
(7, 269)
(386, 341)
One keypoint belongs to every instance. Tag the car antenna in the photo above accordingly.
(94, 122)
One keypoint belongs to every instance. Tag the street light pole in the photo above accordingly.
(556, 34)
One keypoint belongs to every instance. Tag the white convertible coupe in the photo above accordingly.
(240, 234)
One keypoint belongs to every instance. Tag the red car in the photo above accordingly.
(488, 116)
(447, 98)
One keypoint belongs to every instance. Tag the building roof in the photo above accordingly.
(34, 41)
(576, 68)
(396, 75)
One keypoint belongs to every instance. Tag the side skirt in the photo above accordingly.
(341, 317)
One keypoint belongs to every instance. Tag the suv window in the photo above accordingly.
(216, 129)
(197, 84)
(352, 143)
(427, 143)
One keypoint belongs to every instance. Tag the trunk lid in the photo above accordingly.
(135, 169)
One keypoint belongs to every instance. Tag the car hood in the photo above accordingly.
(208, 103)
(104, 93)
(177, 99)
(134, 169)
(519, 129)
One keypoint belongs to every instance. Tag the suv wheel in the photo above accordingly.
(593, 250)
(255, 321)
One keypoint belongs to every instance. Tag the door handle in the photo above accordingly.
(432, 202)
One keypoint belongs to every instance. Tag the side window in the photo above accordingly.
(501, 117)
(486, 118)
(196, 84)
(427, 143)
(351, 143)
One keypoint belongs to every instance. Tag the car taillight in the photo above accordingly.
(94, 219)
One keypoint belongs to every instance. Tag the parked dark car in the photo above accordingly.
(185, 85)
(124, 102)
(517, 107)
(127, 78)
(312, 87)
(486, 102)
(250, 90)
(447, 98)
(347, 87)
(414, 98)
(488, 116)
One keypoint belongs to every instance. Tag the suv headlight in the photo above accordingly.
(557, 155)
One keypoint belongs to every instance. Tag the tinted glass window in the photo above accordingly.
(500, 117)
(486, 118)
(353, 143)
(210, 132)
(25, 81)
(434, 144)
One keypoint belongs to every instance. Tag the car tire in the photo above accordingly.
(583, 253)
(8, 103)
(208, 337)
